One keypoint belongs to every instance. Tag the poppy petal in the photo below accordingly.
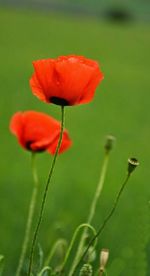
(67, 80)
(66, 143)
(37, 131)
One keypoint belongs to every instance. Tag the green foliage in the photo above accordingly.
(1, 264)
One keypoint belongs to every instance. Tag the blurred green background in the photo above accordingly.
(120, 108)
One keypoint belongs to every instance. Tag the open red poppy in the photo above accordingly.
(38, 132)
(67, 80)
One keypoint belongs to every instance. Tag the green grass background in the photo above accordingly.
(121, 107)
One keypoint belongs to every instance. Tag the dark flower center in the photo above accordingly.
(28, 147)
(59, 101)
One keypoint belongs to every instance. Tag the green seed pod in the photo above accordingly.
(132, 164)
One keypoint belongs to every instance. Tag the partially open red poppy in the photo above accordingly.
(37, 132)
(67, 80)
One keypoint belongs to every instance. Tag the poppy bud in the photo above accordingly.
(104, 255)
(91, 255)
(86, 270)
(132, 164)
(109, 143)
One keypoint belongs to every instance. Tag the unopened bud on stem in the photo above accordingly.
(132, 164)
(104, 255)
(109, 143)
(86, 270)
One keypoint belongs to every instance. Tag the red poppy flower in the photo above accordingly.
(37, 132)
(67, 80)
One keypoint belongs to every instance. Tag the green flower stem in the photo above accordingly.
(92, 211)
(106, 220)
(44, 270)
(45, 192)
(30, 215)
(99, 188)
(1, 264)
(60, 242)
(101, 273)
(72, 243)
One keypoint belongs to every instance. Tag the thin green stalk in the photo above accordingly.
(92, 211)
(104, 272)
(44, 270)
(1, 264)
(30, 216)
(45, 192)
(99, 188)
(59, 242)
(72, 243)
(106, 220)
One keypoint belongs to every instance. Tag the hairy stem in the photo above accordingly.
(30, 216)
(91, 212)
(106, 220)
(57, 244)
(45, 193)
(73, 241)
